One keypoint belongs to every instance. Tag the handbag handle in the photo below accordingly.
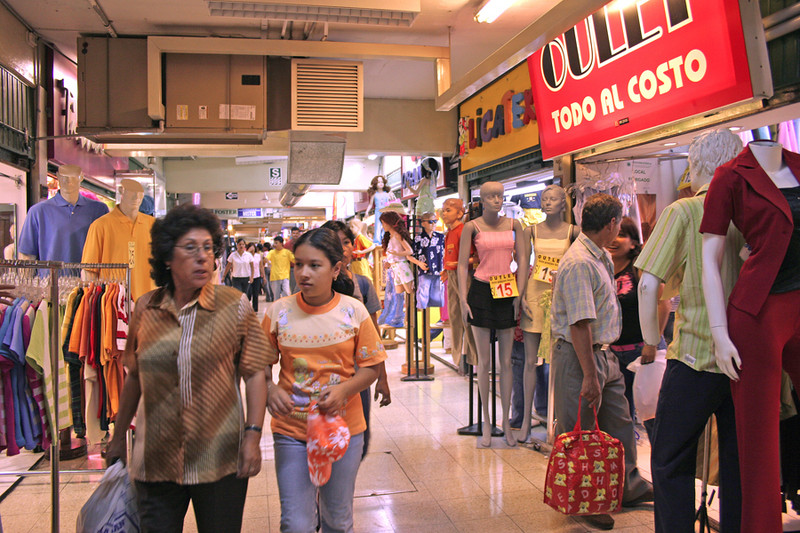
(578, 422)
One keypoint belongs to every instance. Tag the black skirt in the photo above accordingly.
(488, 312)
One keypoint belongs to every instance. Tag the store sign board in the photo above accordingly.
(634, 66)
(252, 212)
(226, 213)
(498, 121)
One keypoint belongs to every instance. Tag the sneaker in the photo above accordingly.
(599, 521)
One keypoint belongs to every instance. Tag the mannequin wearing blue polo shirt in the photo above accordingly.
(55, 230)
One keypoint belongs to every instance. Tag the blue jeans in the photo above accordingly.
(299, 496)
(430, 291)
(280, 288)
(517, 388)
(393, 304)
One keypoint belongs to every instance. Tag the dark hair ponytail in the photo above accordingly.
(327, 242)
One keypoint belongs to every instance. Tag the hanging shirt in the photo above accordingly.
(7, 366)
(55, 230)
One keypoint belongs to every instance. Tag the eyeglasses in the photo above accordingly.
(195, 249)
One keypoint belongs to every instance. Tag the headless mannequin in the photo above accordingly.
(131, 196)
(554, 205)
(760, 467)
(69, 183)
(768, 155)
(491, 221)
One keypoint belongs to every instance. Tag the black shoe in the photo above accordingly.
(599, 521)
(647, 497)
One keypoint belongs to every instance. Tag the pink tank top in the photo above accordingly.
(495, 252)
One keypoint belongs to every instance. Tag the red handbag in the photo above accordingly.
(586, 472)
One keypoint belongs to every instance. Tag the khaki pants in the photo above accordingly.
(613, 413)
(457, 326)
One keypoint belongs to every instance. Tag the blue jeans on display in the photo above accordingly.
(393, 304)
(430, 291)
(299, 496)
(280, 288)
(517, 388)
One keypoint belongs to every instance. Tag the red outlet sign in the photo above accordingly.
(635, 65)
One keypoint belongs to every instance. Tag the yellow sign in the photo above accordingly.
(503, 286)
(544, 267)
(498, 121)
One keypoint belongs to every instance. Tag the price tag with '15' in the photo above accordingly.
(504, 286)
(543, 268)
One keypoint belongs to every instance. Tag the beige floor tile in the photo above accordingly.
(437, 528)
(24, 523)
(498, 524)
(521, 502)
(423, 514)
(255, 525)
(368, 520)
(472, 508)
(550, 521)
(500, 482)
(256, 507)
(457, 487)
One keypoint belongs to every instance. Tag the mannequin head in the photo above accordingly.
(357, 226)
(378, 183)
(554, 200)
(492, 197)
(131, 196)
(69, 181)
(430, 168)
(452, 211)
(709, 150)
(428, 223)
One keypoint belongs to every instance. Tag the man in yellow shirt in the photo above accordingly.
(281, 261)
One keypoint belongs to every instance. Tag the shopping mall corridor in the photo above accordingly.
(419, 476)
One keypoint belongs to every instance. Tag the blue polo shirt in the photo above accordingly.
(55, 230)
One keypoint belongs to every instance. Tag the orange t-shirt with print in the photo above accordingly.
(320, 347)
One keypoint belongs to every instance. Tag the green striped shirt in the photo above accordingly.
(674, 253)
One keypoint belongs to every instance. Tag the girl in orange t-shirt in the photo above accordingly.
(328, 350)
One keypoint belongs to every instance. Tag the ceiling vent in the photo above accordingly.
(402, 14)
(315, 161)
(327, 95)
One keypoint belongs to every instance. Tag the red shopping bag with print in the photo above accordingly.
(586, 472)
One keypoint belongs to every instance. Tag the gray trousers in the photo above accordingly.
(613, 413)
(457, 326)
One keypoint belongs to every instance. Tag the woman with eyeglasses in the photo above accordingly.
(188, 344)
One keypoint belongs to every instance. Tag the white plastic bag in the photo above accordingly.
(112, 506)
(647, 384)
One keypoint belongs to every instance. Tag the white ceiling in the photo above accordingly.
(440, 22)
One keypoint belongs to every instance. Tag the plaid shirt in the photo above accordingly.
(189, 361)
(585, 289)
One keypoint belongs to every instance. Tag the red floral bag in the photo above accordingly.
(586, 472)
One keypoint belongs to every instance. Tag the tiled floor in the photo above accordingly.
(419, 475)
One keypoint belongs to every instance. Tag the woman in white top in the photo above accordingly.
(258, 273)
(240, 266)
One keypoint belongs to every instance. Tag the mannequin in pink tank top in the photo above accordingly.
(498, 241)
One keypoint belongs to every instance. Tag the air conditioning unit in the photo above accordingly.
(324, 95)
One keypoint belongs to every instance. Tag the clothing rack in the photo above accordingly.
(55, 269)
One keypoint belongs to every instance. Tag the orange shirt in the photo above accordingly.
(112, 238)
(319, 347)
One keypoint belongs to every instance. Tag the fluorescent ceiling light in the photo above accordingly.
(491, 9)
(735, 128)
(670, 144)
(372, 157)
(355, 13)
